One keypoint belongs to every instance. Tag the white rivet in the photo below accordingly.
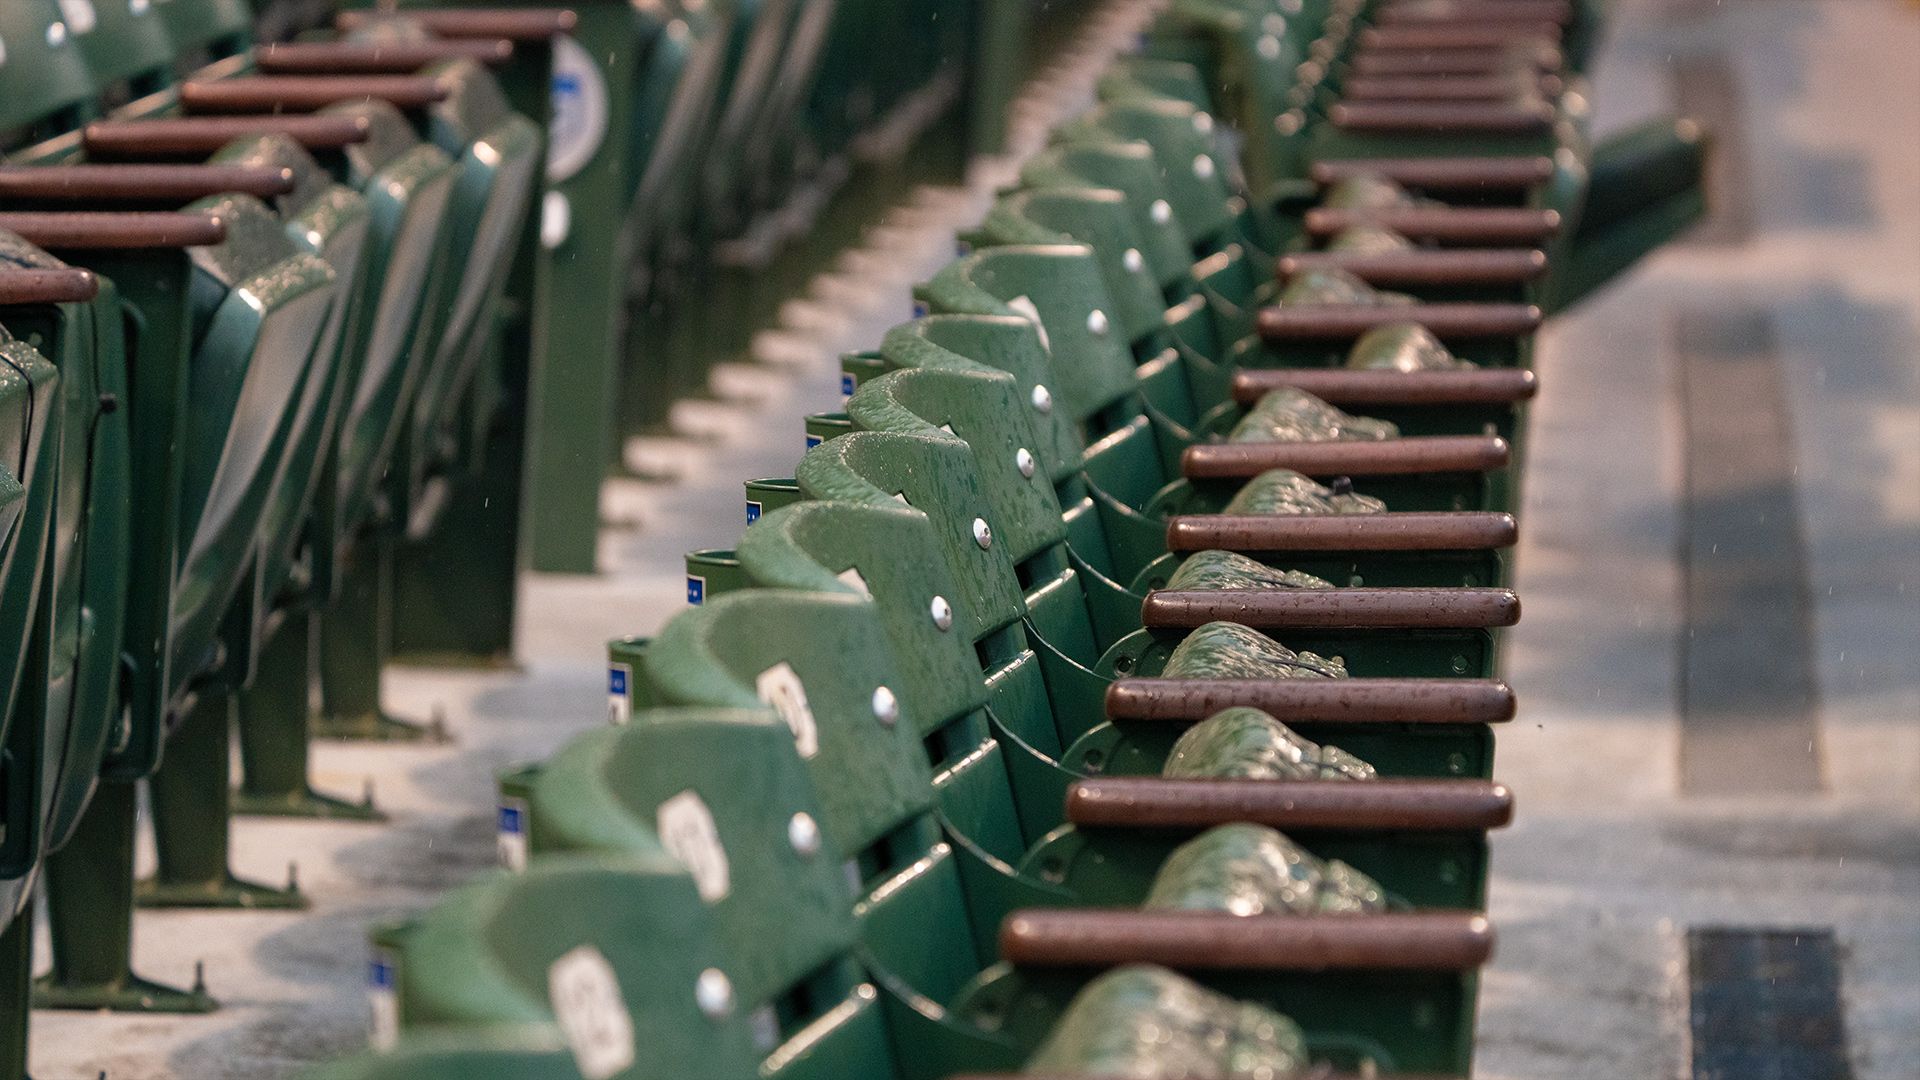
(1203, 122)
(886, 707)
(1274, 23)
(1042, 399)
(139, 7)
(1097, 323)
(982, 533)
(556, 219)
(1023, 460)
(804, 834)
(1287, 123)
(1203, 166)
(713, 992)
(56, 34)
(1269, 47)
(1133, 260)
(1160, 212)
(942, 613)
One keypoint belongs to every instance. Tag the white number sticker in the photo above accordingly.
(592, 1013)
(689, 835)
(1025, 307)
(779, 686)
(79, 15)
(580, 110)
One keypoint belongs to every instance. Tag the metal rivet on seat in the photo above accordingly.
(982, 533)
(1203, 166)
(1042, 399)
(942, 613)
(1273, 23)
(886, 707)
(1203, 122)
(1133, 260)
(1097, 323)
(1160, 212)
(804, 834)
(56, 34)
(1023, 460)
(1269, 47)
(713, 992)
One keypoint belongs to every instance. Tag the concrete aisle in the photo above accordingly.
(1721, 560)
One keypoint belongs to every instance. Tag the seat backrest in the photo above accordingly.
(207, 29)
(726, 792)
(1098, 218)
(1060, 288)
(823, 663)
(89, 538)
(497, 152)
(618, 951)
(126, 45)
(532, 1052)
(45, 87)
(262, 309)
(1129, 167)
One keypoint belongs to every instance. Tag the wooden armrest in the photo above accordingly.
(199, 136)
(1457, 88)
(308, 93)
(1152, 802)
(1412, 531)
(376, 57)
(1361, 387)
(120, 232)
(1450, 174)
(1480, 225)
(514, 24)
(1400, 12)
(1388, 457)
(1453, 267)
(1057, 1075)
(171, 185)
(1332, 609)
(1345, 322)
(1320, 701)
(1219, 941)
(62, 286)
(1442, 117)
(1455, 61)
(1445, 35)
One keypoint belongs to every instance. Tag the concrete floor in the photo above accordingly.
(1608, 862)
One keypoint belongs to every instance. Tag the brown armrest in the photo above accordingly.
(199, 136)
(171, 185)
(308, 93)
(1442, 117)
(1332, 609)
(1088, 1076)
(1444, 35)
(514, 24)
(1484, 88)
(1345, 322)
(1454, 61)
(1443, 173)
(1389, 457)
(1347, 387)
(1482, 225)
(1152, 802)
(1218, 941)
(376, 58)
(1321, 701)
(1456, 267)
(66, 286)
(122, 232)
(1400, 12)
(1437, 531)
